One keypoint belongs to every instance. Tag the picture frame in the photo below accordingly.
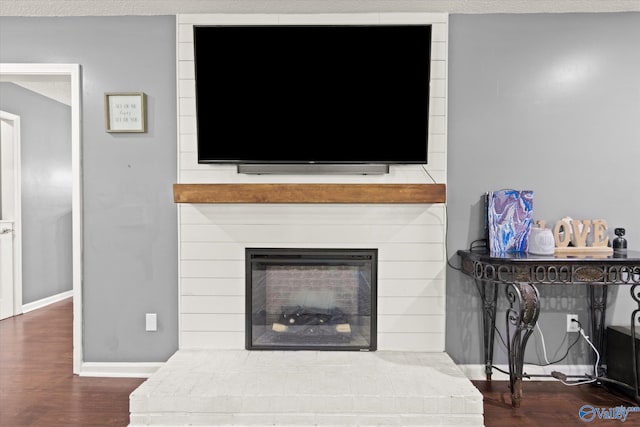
(126, 112)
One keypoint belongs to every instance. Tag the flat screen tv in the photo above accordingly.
(312, 94)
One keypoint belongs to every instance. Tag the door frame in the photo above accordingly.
(12, 155)
(73, 71)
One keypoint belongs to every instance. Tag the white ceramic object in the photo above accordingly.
(541, 241)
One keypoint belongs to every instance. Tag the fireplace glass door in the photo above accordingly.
(311, 299)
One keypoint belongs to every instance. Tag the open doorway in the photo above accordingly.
(10, 215)
(71, 72)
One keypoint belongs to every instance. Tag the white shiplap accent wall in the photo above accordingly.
(410, 238)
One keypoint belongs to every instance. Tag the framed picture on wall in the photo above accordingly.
(126, 112)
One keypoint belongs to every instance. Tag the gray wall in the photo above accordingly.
(549, 103)
(130, 224)
(46, 191)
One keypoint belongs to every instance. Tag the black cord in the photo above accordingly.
(484, 244)
(446, 238)
(446, 231)
(474, 245)
(484, 304)
(504, 343)
(559, 360)
(501, 370)
(428, 174)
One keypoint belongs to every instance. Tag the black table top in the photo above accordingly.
(484, 255)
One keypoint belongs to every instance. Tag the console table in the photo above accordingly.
(520, 273)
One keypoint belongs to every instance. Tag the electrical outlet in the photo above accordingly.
(571, 325)
(151, 322)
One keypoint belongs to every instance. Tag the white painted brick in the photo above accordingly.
(438, 108)
(430, 405)
(410, 323)
(411, 342)
(213, 322)
(394, 270)
(213, 286)
(373, 404)
(213, 304)
(186, 107)
(185, 33)
(474, 404)
(185, 51)
(411, 306)
(439, 175)
(410, 404)
(437, 160)
(438, 88)
(212, 340)
(438, 51)
(411, 288)
(253, 403)
(187, 89)
(212, 239)
(437, 125)
(294, 420)
(335, 388)
(329, 18)
(211, 250)
(212, 268)
(186, 70)
(305, 214)
(187, 124)
(440, 32)
(463, 420)
(189, 142)
(228, 18)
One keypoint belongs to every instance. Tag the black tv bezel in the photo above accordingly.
(377, 166)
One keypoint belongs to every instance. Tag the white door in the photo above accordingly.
(6, 270)
(10, 248)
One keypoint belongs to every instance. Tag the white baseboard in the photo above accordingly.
(476, 372)
(46, 301)
(472, 372)
(119, 369)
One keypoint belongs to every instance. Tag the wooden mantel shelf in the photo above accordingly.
(309, 193)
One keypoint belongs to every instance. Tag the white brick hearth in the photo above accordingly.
(307, 388)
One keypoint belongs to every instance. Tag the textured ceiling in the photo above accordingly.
(173, 7)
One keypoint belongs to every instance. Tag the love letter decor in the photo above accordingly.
(585, 236)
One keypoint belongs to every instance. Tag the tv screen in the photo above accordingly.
(332, 94)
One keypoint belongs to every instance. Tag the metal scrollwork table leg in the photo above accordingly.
(521, 317)
(635, 315)
(489, 293)
(598, 311)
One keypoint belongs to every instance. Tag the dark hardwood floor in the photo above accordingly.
(550, 404)
(38, 388)
(37, 385)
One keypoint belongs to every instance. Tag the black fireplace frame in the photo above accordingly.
(308, 256)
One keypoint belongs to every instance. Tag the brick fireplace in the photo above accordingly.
(212, 379)
(407, 233)
(411, 266)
